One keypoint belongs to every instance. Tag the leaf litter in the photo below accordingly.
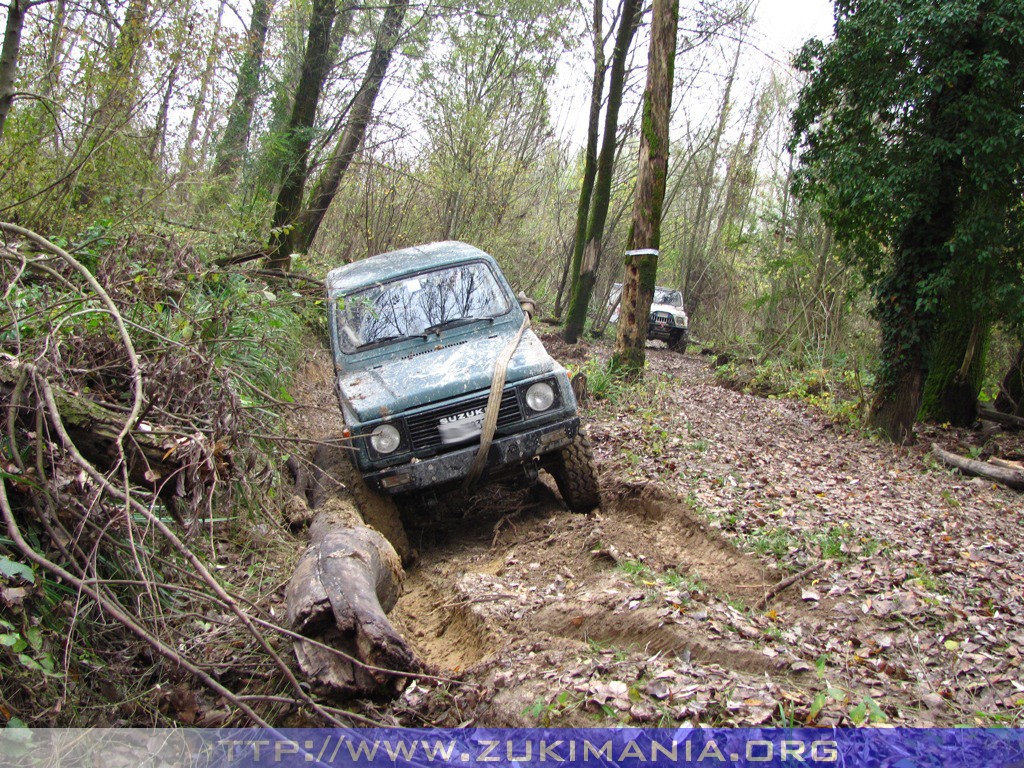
(643, 612)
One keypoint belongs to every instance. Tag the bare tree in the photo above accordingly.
(205, 80)
(315, 66)
(355, 130)
(584, 269)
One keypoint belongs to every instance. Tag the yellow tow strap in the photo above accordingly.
(494, 399)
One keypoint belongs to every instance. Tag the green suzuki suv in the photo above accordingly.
(415, 335)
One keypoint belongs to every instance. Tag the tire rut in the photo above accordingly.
(550, 580)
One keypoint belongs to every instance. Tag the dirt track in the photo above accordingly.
(644, 611)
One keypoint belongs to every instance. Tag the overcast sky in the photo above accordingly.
(786, 24)
(781, 28)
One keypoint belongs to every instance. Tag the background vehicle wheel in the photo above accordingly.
(679, 340)
(575, 475)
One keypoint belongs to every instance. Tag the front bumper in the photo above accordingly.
(447, 468)
(664, 331)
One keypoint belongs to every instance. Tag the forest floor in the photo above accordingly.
(648, 612)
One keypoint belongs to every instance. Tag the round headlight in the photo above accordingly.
(385, 438)
(540, 396)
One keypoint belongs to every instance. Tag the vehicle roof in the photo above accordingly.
(387, 266)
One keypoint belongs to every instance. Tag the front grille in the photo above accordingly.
(423, 426)
(661, 317)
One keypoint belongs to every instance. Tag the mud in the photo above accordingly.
(642, 612)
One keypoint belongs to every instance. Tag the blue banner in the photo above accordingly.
(513, 748)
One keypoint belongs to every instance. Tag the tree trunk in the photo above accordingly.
(355, 130)
(906, 327)
(339, 595)
(123, 65)
(894, 408)
(315, 66)
(956, 369)
(589, 162)
(645, 236)
(236, 134)
(9, 58)
(1011, 391)
(585, 276)
(159, 143)
(53, 50)
(906, 330)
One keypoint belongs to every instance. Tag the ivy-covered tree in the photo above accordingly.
(910, 131)
(316, 65)
(586, 259)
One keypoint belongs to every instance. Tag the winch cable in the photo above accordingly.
(494, 399)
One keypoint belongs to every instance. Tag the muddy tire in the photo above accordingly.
(679, 341)
(335, 473)
(575, 475)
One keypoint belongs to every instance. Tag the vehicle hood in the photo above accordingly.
(447, 370)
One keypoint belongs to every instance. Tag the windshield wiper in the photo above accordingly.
(455, 323)
(395, 337)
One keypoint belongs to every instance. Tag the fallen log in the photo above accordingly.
(1008, 464)
(339, 595)
(1011, 478)
(1004, 419)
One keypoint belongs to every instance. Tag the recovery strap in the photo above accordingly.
(494, 399)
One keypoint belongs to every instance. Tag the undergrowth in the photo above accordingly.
(216, 350)
(839, 388)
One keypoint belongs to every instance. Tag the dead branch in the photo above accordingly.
(1012, 478)
(114, 609)
(200, 571)
(98, 289)
(278, 274)
(242, 258)
(785, 584)
(1006, 463)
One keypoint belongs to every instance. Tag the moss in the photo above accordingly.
(947, 396)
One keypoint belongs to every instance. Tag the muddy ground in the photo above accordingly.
(652, 611)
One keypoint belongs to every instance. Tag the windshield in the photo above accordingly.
(665, 296)
(419, 305)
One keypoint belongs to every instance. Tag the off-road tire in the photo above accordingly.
(335, 473)
(679, 341)
(576, 476)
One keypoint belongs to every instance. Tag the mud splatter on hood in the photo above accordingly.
(432, 374)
